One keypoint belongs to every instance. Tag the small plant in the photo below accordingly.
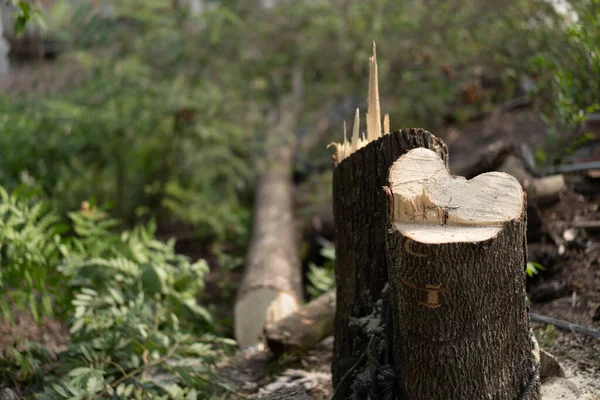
(546, 336)
(322, 278)
(30, 247)
(534, 268)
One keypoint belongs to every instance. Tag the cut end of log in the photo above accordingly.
(429, 205)
(258, 308)
(373, 117)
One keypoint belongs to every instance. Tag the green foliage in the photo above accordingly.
(546, 336)
(30, 247)
(133, 320)
(142, 130)
(25, 12)
(429, 52)
(24, 362)
(568, 74)
(534, 268)
(322, 278)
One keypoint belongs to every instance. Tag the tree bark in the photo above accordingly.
(361, 224)
(431, 278)
(461, 328)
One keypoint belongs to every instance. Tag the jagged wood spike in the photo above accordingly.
(374, 110)
(377, 116)
(370, 103)
(369, 122)
(345, 145)
(355, 130)
(373, 116)
(386, 124)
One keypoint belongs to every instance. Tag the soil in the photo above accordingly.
(49, 332)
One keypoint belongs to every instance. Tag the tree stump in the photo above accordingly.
(361, 226)
(430, 272)
(456, 260)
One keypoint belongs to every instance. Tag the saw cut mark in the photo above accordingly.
(430, 293)
(406, 244)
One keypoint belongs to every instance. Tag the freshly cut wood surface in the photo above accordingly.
(430, 205)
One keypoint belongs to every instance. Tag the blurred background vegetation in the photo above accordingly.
(156, 111)
(163, 107)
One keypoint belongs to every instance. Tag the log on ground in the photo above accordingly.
(271, 287)
(303, 329)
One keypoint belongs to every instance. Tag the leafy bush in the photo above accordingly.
(322, 278)
(30, 248)
(568, 73)
(134, 319)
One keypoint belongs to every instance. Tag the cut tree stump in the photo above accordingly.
(456, 257)
(430, 273)
(361, 225)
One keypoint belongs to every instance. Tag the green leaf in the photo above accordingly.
(192, 395)
(79, 371)
(117, 295)
(77, 326)
(33, 307)
(153, 279)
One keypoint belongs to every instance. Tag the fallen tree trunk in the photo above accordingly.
(271, 287)
(303, 329)
(542, 191)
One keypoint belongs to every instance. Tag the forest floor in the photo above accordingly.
(569, 289)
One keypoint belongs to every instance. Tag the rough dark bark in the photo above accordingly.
(361, 224)
(303, 329)
(467, 336)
